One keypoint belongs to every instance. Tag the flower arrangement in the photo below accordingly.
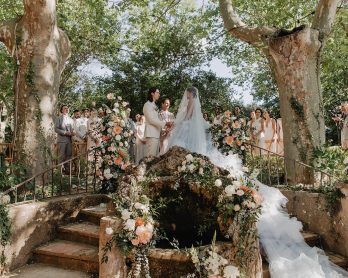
(138, 230)
(209, 263)
(115, 134)
(228, 134)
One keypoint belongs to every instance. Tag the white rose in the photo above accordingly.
(189, 157)
(121, 144)
(116, 105)
(183, 168)
(125, 134)
(130, 225)
(183, 163)
(110, 96)
(237, 207)
(116, 110)
(218, 183)
(124, 103)
(119, 98)
(230, 190)
(111, 123)
(118, 137)
(231, 271)
(201, 171)
(122, 123)
(242, 148)
(109, 231)
(125, 214)
(142, 207)
(240, 192)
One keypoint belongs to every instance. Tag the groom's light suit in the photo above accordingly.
(153, 127)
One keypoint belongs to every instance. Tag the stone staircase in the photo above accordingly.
(77, 244)
(312, 239)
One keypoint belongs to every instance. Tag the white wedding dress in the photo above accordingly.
(288, 254)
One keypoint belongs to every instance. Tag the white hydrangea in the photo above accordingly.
(129, 225)
(231, 271)
(126, 214)
(230, 190)
(189, 157)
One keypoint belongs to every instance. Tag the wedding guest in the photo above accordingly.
(93, 130)
(140, 138)
(218, 115)
(64, 128)
(257, 129)
(342, 121)
(165, 116)
(153, 124)
(80, 128)
(249, 124)
(85, 113)
(280, 141)
(270, 132)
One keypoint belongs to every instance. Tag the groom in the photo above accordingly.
(153, 124)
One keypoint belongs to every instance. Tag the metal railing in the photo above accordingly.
(273, 168)
(74, 176)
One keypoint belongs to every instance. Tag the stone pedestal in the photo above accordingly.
(116, 265)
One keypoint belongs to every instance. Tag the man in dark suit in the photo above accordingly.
(65, 131)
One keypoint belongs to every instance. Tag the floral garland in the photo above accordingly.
(229, 134)
(208, 263)
(114, 133)
(138, 230)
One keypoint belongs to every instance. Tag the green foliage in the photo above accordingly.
(332, 160)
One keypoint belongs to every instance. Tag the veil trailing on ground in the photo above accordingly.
(288, 254)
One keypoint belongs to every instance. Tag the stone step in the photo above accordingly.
(69, 255)
(84, 232)
(92, 214)
(39, 270)
(312, 239)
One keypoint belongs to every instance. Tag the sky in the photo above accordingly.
(95, 68)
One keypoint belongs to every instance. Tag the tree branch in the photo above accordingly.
(8, 34)
(324, 16)
(254, 35)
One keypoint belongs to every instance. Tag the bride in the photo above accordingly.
(287, 253)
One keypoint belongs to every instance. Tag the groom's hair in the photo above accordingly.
(193, 91)
(149, 94)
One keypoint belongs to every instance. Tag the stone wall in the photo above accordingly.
(35, 223)
(310, 209)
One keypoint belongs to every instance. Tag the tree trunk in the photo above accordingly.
(40, 50)
(294, 58)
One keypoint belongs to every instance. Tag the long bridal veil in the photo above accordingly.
(288, 254)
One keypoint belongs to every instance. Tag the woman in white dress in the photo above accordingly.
(140, 139)
(280, 141)
(270, 128)
(288, 254)
(258, 129)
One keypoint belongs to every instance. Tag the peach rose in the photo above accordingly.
(118, 160)
(139, 222)
(257, 197)
(144, 234)
(135, 241)
(227, 113)
(238, 143)
(229, 140)
(245, 188)
(118, 130)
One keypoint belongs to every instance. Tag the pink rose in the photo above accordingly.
(144, 234)
(135, 241)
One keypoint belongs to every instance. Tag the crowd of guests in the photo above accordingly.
(261, 128)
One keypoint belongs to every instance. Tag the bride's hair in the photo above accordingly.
(193, 91)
